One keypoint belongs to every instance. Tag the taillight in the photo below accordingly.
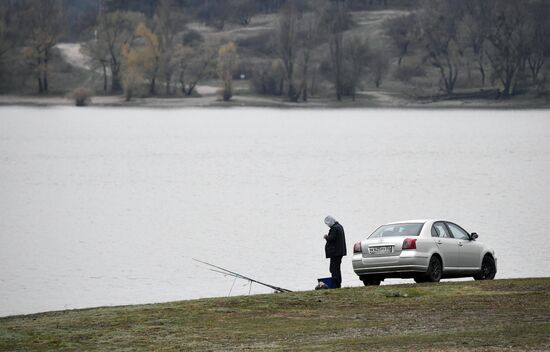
(409, 243)
(357, 248)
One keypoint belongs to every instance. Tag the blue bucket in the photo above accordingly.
(328, 281)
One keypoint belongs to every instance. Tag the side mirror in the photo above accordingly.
(474, 236)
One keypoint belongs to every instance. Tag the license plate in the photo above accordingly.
(380, 250)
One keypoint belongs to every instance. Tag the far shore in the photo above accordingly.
(367, 99)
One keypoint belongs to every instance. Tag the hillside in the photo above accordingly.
(359, 53)
(488, 316)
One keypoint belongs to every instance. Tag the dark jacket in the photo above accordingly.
(336, 242)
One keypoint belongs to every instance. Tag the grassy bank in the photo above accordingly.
(496, 315)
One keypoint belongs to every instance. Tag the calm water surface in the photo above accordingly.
(109, 206)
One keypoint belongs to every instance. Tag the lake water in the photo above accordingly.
(109, 206)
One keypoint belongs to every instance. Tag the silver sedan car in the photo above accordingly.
(425, 250)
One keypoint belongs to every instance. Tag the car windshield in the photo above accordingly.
(395, 230)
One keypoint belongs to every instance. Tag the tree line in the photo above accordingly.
(500, 44)
(149, 47)
(507, 41)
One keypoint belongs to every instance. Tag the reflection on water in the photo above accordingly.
(109, 206)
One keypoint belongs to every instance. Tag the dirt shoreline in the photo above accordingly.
(370, 99)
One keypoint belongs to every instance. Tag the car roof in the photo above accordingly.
(422, 221)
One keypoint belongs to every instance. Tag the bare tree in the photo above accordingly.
(168, 22)
(473, 31)
(195, 64)
(288, 46)
(5, 44)
(508, 38)
(356, 56)
(438, 22)
(268, 77)
(116, 30)
(539, 27)
(336, 20)
(402, 32)
(378, 64)
(42, 32)
(7, 48)
(308, 39)
(298, 35)
(99, 59)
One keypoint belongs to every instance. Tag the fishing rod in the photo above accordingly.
(239, 276)
(231, 275)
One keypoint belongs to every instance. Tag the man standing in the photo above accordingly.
(335, 249)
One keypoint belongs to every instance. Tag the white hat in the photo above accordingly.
(330, 221)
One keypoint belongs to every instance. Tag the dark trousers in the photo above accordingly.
(335, 263)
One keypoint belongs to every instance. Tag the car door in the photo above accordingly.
(446, 244)
(469, 252)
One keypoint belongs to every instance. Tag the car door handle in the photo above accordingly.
(460, 244)
(439, 242)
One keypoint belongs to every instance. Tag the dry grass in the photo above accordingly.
(496, 315)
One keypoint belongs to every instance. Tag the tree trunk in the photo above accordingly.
(153, 87)
(45, 81)
(482, 72)
(116, 86)
(45, 72)
(305, 75)
(39, 78)
(191, 88)
(182, 81)
(104, 77)
(536, 62)
(507, 85)
(291, 94)
(338, 64)
(40, 85)
(312, 90)
(469, 72)
(506, 90)
(168, 80)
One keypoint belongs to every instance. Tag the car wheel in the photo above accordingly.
(371, 281)
(488, 269)
(435, 270)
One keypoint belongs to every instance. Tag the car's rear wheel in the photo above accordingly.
(435, 270)
(371, 281)
(488, 269)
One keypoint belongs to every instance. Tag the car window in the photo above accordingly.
(457, 232)
(440, 230)
(395, 230)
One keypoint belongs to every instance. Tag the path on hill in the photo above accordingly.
(72, 54)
